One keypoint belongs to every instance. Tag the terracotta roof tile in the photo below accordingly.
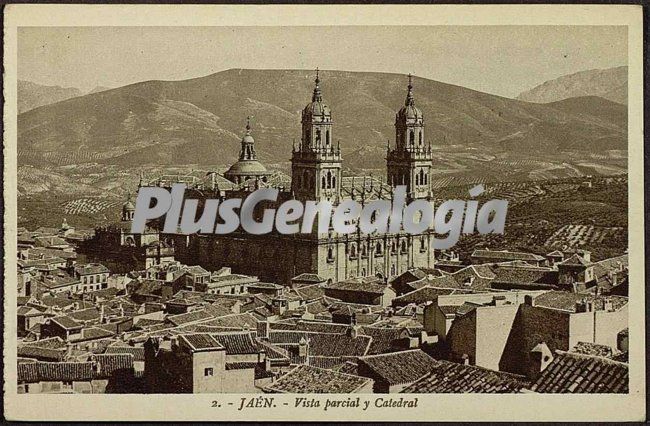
(398, 367)
(578, 373)
(449, 377)
(308, 379)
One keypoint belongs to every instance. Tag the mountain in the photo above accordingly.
(608, 83)
(33, 95)
(201, 120)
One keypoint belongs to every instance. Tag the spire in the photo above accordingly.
(317, 97)
(409, 96)
(248, 125)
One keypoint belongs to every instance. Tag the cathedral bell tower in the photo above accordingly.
(316, 161)
(409, 162)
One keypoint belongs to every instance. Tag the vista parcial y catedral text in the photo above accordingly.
(293, 216)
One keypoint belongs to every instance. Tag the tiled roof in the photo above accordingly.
(272, 351)
(325, 344)
(54, 371)
(384, 339)
(422, 295)
(349, 367)
(577, 373)
(57, 301)
(89, 314)
(307, 379)
(565, 300)
(504, 254)
(41, 353)
(237, 343)
(201, 341)
(449, 377)
(310, 293)
(359, 285)
(524, 275)
(206, 313)
(136, 351)
(594, 349)
(398, 367)
(575, 260)
(327, 362)
(238, 321)
(91, 333)
(67, 322)
(314, 278)
(603, 267)
(90, 269)
(110, 363)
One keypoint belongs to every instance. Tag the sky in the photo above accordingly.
(501, 60)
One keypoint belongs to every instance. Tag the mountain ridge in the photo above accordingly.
(608, 83)
(201, 120)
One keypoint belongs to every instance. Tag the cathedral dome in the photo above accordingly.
(317, 107)
(246, 167)
(128, 206)
(409, 110)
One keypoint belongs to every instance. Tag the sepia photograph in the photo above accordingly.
(387, 214)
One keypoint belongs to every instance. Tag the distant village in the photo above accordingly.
(507, 322)
(108, 311)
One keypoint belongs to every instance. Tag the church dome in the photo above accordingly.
(129, 206)
(317, 107)
(246, 167)
(409, 111)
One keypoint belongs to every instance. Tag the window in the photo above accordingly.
(420, 138)
(330, 254)
(378, 249)
(412, 138)
(208, 372)
(353, 251)
(403, 246)
(327, 137)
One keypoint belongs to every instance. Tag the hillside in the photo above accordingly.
(32, 95)
(200, 121)
(608, 83)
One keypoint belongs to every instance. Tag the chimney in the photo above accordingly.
(540, 358)
(529, 300)
(465, 359)
(303, 347)
(498, 300)
(607, 305)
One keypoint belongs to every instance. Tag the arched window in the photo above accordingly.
(393, 247)
(329, 179)
(421, 177)
(333, 181)
(403, 246)
(327, 137)
(323, 182)
(317, 136)
(412, 138)
(378, 248)
(330, 254)
(420, 138)
(353, 250)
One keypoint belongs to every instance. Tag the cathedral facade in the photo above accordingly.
(316, 165)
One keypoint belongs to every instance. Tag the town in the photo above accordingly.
(105, 310)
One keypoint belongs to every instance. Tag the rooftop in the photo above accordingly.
(308, 379)
(578, 373)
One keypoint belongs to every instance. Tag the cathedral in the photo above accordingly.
(316, 164)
